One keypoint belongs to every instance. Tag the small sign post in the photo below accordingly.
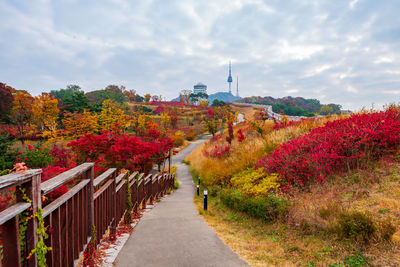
(205, 199)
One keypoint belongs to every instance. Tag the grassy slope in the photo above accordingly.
(304, 239)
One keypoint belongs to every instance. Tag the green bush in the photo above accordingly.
(7, 155)
(386, 230)
(37, 157)
(176, 184)
(356, 225)
(214, 190)
(269, 208)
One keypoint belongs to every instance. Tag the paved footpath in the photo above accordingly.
(173, 234)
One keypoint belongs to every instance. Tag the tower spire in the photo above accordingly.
(237, 86)
(230, 77)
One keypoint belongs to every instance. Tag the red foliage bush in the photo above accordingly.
(114, 149)
(285, 124)
(62, 157)
(6, 198)
(13, 132)
(218, 152)
(339, 145)
(159, 110)
(240, 136)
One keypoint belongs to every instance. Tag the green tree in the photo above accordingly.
(7, 154)
(6, 99)
(72, 99)
(112, 92)
(218, 103)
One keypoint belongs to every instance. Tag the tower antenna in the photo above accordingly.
(237, 86)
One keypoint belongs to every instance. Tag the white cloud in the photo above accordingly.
(351, 89)
(322, 49)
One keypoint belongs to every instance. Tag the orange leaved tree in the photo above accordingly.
(21, 113)
(45, 113)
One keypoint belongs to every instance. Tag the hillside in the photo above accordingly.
(327, 186)
(294, 106)
(223, 96)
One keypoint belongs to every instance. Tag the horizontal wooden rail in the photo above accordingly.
(104, 176)
(120, 177)
(13, 211)
(14, 179)
(64, 198)
(64, 177)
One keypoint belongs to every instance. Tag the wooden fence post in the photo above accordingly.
(32, 191)
(113, 228)
(89, 174)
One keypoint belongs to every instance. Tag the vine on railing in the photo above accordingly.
(41, 249)
(129, 204)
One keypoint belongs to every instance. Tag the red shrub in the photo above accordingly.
(339, 145)
(218, 152)
(240, 136)
(114, 149)
(62, 157)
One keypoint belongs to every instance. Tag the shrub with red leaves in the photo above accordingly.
(339, 145)
(62, 157)
(240, 136)
(217, 151)
(159, 109)
(114, 149)
(285, 124)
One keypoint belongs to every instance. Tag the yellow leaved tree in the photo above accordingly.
(165, 118)
(111, 115)
(78, 124)
(45, 113)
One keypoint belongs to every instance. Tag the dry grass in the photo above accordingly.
(248, 112)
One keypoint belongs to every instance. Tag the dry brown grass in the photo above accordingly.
(248, 112)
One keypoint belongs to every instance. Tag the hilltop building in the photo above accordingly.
(200, 88)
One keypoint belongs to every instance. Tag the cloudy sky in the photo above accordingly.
(340, 51)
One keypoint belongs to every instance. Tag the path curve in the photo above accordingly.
(173, 234)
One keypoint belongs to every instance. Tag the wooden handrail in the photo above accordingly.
(103, 176)
(64, 177)
(120, 177)
(64, 198)
(13, 211)
(14, 179)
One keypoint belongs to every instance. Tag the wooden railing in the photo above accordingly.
(99, 202)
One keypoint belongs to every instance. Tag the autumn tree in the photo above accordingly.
(203, 103)
(130, 95)
(45, 113)
(6, 99)
(184, 96)
(173, 115)
(21, 112)
(79, 124)
(111, 115)
(147, 97)
(165, 119)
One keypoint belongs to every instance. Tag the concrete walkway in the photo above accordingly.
(173, 234)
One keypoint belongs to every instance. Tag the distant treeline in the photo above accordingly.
(295, 106)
